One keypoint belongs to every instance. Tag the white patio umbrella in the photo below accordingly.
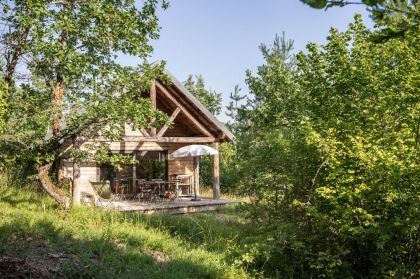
(195, 151)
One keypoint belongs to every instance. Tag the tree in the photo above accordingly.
(209, 98)
(328, 153)
(395, 17)
(234, 105)
(13, 46)
(72, 85)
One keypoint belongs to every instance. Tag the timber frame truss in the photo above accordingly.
(155, 135)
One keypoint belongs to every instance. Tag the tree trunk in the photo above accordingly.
(52, 190)
(11, 60)
(43, 171)
(58, 93)
(13, 56)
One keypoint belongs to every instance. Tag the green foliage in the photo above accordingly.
(73, 85)
(94, 243)
(4, 95)
(227, 169)
(232, 108)
(316, 4)
(327, 151)
(395, 17)
(209, 98)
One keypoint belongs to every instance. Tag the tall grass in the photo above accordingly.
(107, 244)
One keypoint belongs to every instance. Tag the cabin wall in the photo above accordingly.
(90, 171)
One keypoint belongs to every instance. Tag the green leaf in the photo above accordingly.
(317, 4)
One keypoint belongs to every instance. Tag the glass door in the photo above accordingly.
(152, 165)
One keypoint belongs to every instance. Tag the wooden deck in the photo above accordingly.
(171, 207)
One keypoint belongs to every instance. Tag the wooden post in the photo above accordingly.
(196, 166)
(134, 175)
(153, 100)
(216, 177)
(76, 175)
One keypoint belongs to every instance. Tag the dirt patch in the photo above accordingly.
(159, 257)
(19, 268)
(32, 258)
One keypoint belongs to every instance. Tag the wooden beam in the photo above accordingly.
(134, 188)
(153, 100)
(159, 139)
(172, 139)
(144, 132)
(172, 118)
(216, 177)
(187, 114)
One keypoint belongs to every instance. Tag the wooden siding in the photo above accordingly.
(90, 171)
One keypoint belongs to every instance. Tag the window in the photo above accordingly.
(152, 164)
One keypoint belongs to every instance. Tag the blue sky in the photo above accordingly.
(219, 38)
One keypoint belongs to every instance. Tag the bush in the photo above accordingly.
(329, 156)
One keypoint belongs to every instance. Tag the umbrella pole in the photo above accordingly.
(196, 165)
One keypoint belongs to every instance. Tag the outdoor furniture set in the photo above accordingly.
(154, 190)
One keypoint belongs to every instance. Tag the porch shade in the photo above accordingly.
(194, 151)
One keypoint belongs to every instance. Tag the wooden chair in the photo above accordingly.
(144, 190)
(121, 189)
(174, 191)
(179, 181)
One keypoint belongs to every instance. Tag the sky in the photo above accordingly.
(219, 38)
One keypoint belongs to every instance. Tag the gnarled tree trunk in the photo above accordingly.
(52, 190)
(43, 171)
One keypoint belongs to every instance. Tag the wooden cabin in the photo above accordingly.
(192, 124)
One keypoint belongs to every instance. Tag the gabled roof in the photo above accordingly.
(199, 107)
(217, 128)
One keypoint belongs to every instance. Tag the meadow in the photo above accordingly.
(42, 240)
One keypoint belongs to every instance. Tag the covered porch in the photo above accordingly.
(157, 175)
(158, 182)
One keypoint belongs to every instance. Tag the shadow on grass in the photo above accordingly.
(14, 200)
(214, 231)
(55, 251)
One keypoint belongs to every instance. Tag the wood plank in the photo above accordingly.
(171, 139)
(172, 118)
(187, 114)
(144, 132)
(172, 207)
(134, 172)
(159, 139)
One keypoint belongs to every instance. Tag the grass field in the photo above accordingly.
(90, 243)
